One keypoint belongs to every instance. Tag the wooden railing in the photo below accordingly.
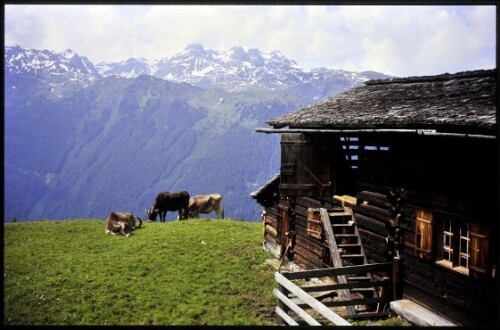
(303, 301)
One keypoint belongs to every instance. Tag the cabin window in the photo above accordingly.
(314, 226)
(479, 246)
(454, 251)
(464, 247)
(423, 234)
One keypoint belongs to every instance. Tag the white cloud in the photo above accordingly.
(400, 40)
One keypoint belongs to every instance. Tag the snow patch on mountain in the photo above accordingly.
(235, 70)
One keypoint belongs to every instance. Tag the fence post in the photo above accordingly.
(385, 293)
(397, 278)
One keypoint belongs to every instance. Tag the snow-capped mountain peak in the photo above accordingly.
(48, 66)
(237, 69)
(68, 53)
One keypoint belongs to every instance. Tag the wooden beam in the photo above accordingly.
(271, 230)
(284, 316)
(300, 312)
(318, 306)
(348, 270)
(352, 285)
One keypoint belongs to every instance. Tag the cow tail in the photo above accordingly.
(140, 221)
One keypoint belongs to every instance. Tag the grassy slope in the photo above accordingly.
(196, 272)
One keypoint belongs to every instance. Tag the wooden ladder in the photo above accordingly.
(346, 249)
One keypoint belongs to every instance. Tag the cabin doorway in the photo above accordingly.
(283, 229)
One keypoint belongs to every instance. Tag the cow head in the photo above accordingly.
(152, 213)
(123, 228)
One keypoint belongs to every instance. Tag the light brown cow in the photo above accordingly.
(205, 204)
(121, 222)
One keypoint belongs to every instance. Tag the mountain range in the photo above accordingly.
(84, 139)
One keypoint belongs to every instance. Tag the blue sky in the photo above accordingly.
(402, 40)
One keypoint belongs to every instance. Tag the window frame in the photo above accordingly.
(452, 226)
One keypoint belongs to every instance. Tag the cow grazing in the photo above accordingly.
(169, 201)
(121, 222)
(205, 204)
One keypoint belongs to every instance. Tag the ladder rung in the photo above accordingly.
(346, 235)
(351, 256)
(339, 214)
(342, 225)
(348, 245)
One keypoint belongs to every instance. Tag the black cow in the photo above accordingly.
(169, 201)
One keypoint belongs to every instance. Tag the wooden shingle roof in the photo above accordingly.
(463, 102)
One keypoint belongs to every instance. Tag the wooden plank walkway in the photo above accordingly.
(417, 314)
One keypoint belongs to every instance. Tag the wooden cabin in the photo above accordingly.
(416, 161)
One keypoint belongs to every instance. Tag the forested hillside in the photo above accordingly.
(79, 144)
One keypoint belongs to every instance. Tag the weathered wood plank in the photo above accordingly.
(301, 231)
(375, 240)
(273, 210)
(354, 302)
(311, 202)
(301, 220)
(373, 225)
(311, 257)
(302, 261)
(318, 306)
(299, 311)
(373, 198)
(312, 246)
(271, 230)
(348, 270)
(351, 285)
(418, 314)
(372, 212)
(301, 210)
(285, 317)
(271, 219)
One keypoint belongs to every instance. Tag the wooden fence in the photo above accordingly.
(303, 301)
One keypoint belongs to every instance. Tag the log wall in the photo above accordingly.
(461, 298)
(435, 179)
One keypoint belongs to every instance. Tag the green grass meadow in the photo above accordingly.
(195, 272)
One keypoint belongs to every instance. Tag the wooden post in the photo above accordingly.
(397, 278)
(386, 294)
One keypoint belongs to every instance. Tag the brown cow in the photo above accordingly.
(205, 204)
(121, 222)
